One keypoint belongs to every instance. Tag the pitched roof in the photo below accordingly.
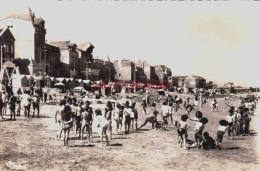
(85, 46)
(2, 31)
(62, 44)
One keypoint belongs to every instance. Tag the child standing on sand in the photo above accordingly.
(221, 131)
(183, 126)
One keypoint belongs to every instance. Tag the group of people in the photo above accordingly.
(236, 122)
(77, 114)
(22, 101)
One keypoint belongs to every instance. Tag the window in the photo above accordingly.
(47, 56)
(12, 49)
(42, 56)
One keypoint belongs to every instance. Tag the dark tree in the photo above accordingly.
(23, 65)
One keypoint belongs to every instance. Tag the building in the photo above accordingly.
(163, 72)
(100, 69)
(52, 60)
(85, 50)
(124, 70)
(7, 44)
(29, 32)
(69, 59)
(149, 71)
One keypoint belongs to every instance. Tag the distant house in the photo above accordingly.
(68, 59)
(7, 45)
(29, 32)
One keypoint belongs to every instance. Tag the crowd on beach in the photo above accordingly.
(84, 114)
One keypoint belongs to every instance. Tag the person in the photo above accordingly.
(32, 89)
(102, 124)
(108, 116)
(152, 117)
(40, 94)
(67, 121)
(87, 118)
(199, 127)
(18, 113)
(5, 102)
(189, 108)
(58, 118)
(12, 103)
(9, 91)
(26, 101)
(246, 121)
(175, 107)
(135, 115)
(170, 111)
(183, 126)
(220, 133)
(45, 96)
(36, 101)
(214, 105)
(208, 142)
(19, 91)
(1, 105)
(165, 113)
(77, 117)
(144, 104)
(196, 101)
(126, 117)
(230, 120)
(116, 116)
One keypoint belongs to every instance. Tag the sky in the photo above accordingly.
(216, 40)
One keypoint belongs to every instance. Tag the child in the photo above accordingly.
(175, 107)
(189, 108)
(170, 111)
(214, 105)
(135, 118)
(86, 122)
(67, 122)
(208, 141)
(116, 116)
(182, 131)
(221, 131)
(152, 118)
(144, 104)
(246, 122)
(108, 116)
(126, 118)
(165, 113)
(230, 120)
(101, 123)
(12, 103)
(199, 127)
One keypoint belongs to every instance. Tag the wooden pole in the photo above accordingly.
(200, 100)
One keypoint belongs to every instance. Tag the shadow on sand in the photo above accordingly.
(89, 145)
(232, 148)
(116, 144)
